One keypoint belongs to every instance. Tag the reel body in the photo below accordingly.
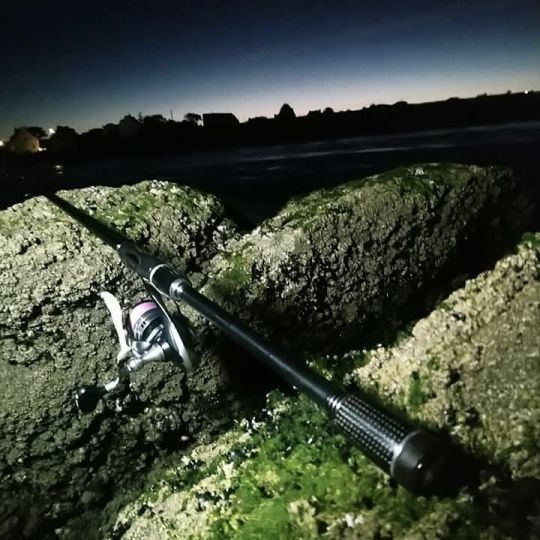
(148, 334)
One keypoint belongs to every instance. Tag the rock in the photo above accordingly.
(317, 274)
(332, 264)
(284, 474)
(472, 366)
(56, 334)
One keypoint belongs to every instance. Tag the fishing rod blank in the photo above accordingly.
(415, 458)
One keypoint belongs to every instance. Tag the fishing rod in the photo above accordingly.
(415, 458)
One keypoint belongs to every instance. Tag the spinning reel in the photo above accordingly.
(149, 334)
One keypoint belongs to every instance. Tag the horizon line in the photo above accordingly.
(483, 94)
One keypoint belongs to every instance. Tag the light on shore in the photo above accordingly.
(1, 143)
(51, 131)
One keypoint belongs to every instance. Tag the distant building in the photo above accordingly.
(64, 139)
(23, 142)
(220, 120)
(129, 127)
(258, 121)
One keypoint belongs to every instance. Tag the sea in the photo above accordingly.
(255, 181)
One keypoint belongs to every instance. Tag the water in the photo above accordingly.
(255, 181)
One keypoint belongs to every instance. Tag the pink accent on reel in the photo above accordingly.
(139, 310)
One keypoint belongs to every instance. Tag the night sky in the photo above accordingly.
(84, 64)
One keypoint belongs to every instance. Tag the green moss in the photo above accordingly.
(338, 366)
(532, 239)
(236, 273)
(180, 477)
(416, 396)
(288, 475)
(422, 179)
(131, 210)
(305, 479)
(296, 460)
(416, 181)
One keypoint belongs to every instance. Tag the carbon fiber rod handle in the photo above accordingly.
(415, 458)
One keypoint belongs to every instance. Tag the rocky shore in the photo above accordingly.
(470, 369)
(330, 276)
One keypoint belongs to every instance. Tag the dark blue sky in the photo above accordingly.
(87, 63)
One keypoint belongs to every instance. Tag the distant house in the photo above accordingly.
(129, 127)
(220, 120)
(23, 142)
(258, 121)
(64, 139)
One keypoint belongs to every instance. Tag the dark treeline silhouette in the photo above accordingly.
(155, 135)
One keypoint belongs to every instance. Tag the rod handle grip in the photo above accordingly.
(416, 459)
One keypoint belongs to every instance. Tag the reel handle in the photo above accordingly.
(87, 397)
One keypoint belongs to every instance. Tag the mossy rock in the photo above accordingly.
(281, 476)
(316, 274)
(472, 366)
(56, 334)
(333, 265)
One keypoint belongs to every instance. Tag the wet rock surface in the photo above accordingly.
(320, 272)
(473, 365)
(470, 369)
(56, 334)
(365, 254)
